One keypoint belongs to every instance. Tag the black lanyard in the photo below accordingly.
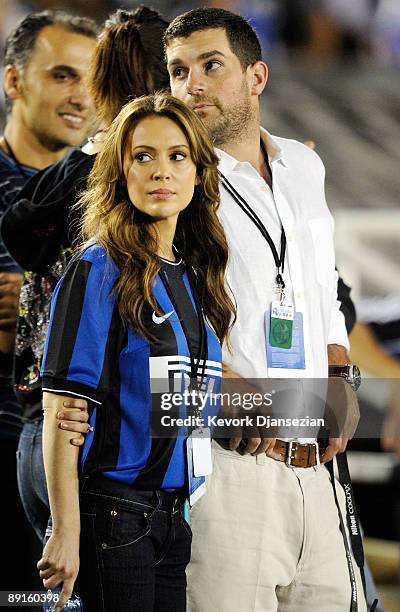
(353, 522)
(15, 160)
(197, 362)
(353, 583)
(246, 208)
(353, 527)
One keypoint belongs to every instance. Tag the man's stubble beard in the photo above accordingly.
(233, 123)
(49, 142)
(45, 133)
(52, 142)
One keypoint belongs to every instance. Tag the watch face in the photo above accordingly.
(354, 376)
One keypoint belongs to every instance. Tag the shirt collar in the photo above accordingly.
(274, 150)
(275, 153)
(29, 170)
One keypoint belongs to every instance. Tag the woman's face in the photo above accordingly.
(161, 176)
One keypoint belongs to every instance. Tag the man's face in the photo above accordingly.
(208, 76)
(53, 101)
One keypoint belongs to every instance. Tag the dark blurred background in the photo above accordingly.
(334, 79)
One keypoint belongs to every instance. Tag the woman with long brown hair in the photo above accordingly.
(127, 63)
(142, 309)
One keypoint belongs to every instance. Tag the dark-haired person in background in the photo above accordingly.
(48, 111)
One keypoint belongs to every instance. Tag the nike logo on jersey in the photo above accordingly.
(158, 320)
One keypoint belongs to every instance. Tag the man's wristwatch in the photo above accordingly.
(350, 372)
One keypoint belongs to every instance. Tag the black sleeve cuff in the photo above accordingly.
(75, 389)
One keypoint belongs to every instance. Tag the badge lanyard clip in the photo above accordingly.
(280, 287)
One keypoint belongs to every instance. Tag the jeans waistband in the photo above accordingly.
(32, 427)
(158, 498)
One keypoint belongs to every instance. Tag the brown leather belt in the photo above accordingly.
(295, 454)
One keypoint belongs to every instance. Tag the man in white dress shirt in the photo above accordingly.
(266, 534)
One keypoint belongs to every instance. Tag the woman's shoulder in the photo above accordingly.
(93, 252)
(97, 255)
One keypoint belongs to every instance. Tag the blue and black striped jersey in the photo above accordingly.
(90, 352)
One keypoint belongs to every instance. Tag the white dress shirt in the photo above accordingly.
(297, 201)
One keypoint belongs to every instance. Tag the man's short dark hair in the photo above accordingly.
(21, 41)
(242, 38)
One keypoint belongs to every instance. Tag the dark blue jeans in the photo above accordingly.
(32, 478)
(134, 549)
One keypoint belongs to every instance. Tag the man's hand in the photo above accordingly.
(60, 564)
(250, 440)
(342, 410)
(75, 418)
(252, 446)
(10, 287)
(335, 446)
(342, 415)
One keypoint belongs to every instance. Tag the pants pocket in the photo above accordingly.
(117, 527)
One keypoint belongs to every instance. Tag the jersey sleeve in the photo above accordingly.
(84, 335)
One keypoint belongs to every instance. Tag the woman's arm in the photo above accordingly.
(60, 560)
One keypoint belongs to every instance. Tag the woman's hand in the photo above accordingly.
(60, 564)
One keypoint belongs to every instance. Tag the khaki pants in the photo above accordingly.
(266, 538)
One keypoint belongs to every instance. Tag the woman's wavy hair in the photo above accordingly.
(128, 60)
(110, 218)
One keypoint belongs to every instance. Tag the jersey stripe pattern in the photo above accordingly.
(91, 353)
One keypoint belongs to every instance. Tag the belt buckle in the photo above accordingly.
(315, 443)
(289, 457)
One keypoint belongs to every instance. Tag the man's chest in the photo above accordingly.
(305, 219)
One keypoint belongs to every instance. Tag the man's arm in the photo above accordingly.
(337, 355)
(340, 398)
(338, 344)
(60, 559)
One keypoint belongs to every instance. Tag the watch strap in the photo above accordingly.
(340, 370)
